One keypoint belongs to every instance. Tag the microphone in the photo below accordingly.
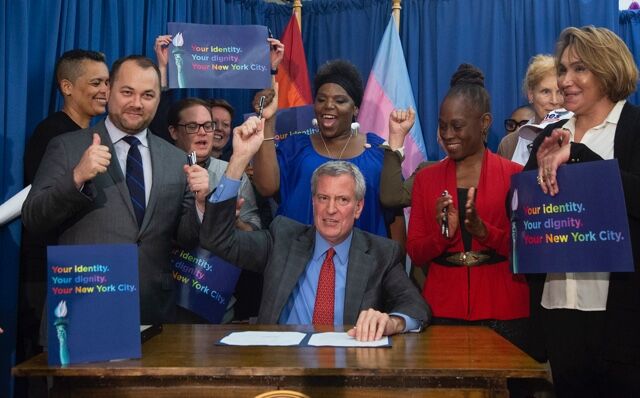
(355, 128)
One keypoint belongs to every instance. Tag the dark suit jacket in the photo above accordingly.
(375, 275)
(622, 327)
(102, 212)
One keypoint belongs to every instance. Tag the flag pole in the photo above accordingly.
(297, 11)
(395, 11)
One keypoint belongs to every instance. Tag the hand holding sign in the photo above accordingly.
(276, 53)
(553, 152)
(219, 56)
(161, 47)
(570, 231)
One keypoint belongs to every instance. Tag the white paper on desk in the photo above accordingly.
(342, 339)
(13, 206)
(263, 338)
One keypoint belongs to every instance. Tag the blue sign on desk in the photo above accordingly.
(218, 56)
(93, 303)
(583, 228)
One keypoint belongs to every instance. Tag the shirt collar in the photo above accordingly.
(613, 117)
(205, 163)
(116, 134)
(342, 249)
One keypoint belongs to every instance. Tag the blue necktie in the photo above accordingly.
(135, 178)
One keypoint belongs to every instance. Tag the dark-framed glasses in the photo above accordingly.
(512, 124)
(193, 128)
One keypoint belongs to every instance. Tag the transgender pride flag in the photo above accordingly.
(389, 87)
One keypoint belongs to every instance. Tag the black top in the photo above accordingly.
(463, 194)
(51, 127)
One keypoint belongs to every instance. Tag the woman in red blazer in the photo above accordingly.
(459, 227)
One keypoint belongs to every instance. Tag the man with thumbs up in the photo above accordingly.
(119, 183)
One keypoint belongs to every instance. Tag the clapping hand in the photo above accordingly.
(445, 208)
(472, 221)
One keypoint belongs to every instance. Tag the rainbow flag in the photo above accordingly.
(389, 87)
(292, 77)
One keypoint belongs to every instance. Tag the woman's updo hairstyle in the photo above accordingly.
(468, 82)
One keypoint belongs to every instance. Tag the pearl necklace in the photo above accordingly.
(341, 152)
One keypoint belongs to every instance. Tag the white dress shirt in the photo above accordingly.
(122, 149)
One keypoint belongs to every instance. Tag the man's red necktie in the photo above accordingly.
(325, 295)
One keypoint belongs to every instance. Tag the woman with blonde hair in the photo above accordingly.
(589, 322)
(540, 85)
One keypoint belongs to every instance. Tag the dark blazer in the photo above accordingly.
(102, 212)
(622, 328)
(375, 276)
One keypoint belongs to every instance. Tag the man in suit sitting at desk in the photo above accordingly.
(328, 273)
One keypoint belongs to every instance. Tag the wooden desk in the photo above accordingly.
(443, 360)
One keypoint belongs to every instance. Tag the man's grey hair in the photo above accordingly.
(337, 168)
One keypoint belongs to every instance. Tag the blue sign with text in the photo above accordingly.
(218, 56)
(205, 282)
(583, 228)
(93, 303)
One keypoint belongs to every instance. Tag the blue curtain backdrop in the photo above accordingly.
(630, 33)
(499, 36)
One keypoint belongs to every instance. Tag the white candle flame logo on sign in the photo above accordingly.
(61, 309)
(178, 41)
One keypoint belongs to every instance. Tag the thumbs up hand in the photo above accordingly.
(94, 161)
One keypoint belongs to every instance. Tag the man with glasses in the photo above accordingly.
(192, 128)
(519, 118)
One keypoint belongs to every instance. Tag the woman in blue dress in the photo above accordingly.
(287, 169)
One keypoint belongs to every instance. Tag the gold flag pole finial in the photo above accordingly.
(395, 11)
(297, 11)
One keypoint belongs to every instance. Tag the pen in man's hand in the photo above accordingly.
(192, 158)
(261, 106)
(271, 37)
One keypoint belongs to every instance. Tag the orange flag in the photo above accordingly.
(293, 77)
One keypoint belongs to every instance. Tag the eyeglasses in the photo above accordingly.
(193, 128)
(512, 125)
